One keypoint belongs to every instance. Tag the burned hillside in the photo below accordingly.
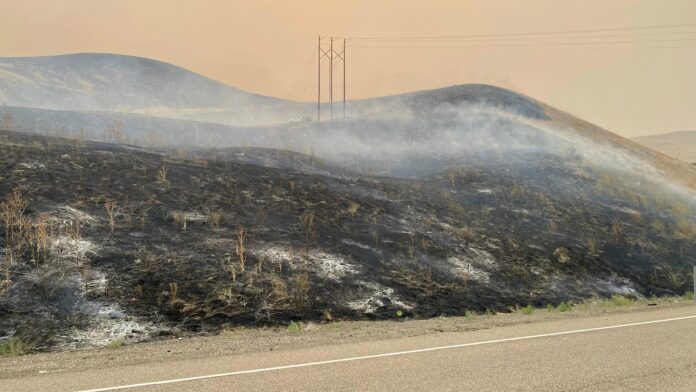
(104, 241)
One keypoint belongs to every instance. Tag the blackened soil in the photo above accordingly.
(320, 243)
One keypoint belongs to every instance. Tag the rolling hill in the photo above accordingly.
(135, 85)
(680, 145)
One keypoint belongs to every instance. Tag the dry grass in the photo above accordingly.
(375, 237)
(307, 220)
(561, 254)
(214, 219)
(259, 265)
(466, 276)
(553, 227)
(110, 206)
(685, 228)
(592, 246)
(452, 174)
(40, 237)
(517, 191)
(279, 289)
(75, 229)
(303, 285)
(261, 216)
(424, 244)
(161, 176)
(5, 285)
(616, 229)
(465, 234)
(239, 247)
(328, 317)
(21, 232)
(352, 209)
(12, 212)
(179, 219)
(674, 277)
(411, 245)
(173, 292)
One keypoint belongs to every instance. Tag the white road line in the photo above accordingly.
(392, 354)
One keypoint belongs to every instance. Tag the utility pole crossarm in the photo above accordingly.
(332, 56)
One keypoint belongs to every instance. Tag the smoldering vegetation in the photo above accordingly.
(462, 199)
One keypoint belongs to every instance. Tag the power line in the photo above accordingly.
(551, 44)
(654, 27)
(558, 40)
(539, 48)
(303, 81)
(659, 33)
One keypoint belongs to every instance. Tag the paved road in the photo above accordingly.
(658, 356)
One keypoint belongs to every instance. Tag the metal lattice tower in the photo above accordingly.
(332, 56)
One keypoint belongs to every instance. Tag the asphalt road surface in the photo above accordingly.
(644, 351)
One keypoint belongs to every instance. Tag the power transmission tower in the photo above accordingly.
(331, 55)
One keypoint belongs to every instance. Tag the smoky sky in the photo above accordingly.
(269, 47)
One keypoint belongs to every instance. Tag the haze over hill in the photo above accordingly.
(118, 83)
(680, 144)
(97, 95)
(101, 97)
(96, 82)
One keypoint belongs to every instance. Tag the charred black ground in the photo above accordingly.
(201, 241)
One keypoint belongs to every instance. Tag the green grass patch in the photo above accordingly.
(563, 307)
(689, 296)
(620, 300)
(294, 327)
(114, 344)
(529, 309)
(15, 346)
(334, 325)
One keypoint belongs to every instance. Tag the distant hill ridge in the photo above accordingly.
(680, 144)
(135, 85)
(109, 82)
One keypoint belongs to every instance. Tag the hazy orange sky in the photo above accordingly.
(269, 47)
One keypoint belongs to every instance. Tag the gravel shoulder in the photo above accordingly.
(254, 340)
